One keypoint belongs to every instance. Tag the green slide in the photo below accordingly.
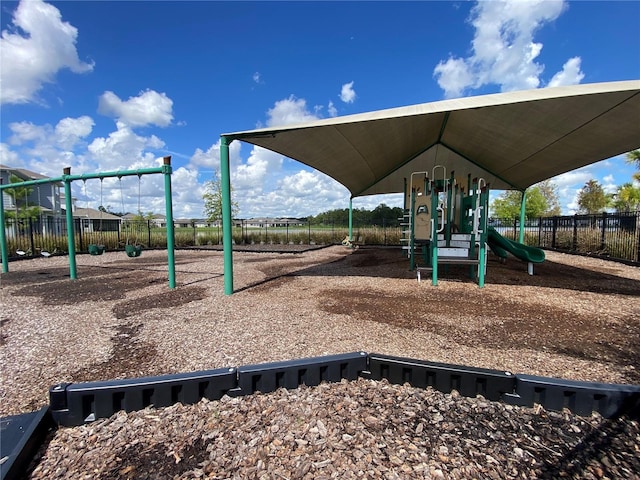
(501, 245)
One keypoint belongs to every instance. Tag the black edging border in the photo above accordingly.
(76, 404)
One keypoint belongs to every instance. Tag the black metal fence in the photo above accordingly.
(610, 235)
(31, 237)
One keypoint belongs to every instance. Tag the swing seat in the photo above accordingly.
(96, 249)
(133, 250)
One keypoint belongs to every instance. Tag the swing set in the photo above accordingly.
(95, 248)
(132, 249)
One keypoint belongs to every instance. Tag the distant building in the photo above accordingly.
(47, 196)
(91, 220)
(268, 222)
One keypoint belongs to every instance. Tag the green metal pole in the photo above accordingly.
(350, 219)
(3, 236)
(434, 234)
(66, 177)
(449, 208)
(227, 238)
(412, 231)
(522, 214)
(171, 258)
(482, 257)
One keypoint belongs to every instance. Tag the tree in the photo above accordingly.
(542, 200)
(142, 217)
(627, 198)
(592, 198)
(549, 191)
(634, 157)
(20, 197)
(212, 197)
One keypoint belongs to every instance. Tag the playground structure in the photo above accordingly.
(447, 223)
(132, 250)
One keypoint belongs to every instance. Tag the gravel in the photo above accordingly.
(576, 318)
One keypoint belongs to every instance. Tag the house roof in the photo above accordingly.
(93, 214)
(25, 174)
(512, 140)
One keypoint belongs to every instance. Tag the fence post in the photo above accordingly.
(309, 221)
(539, 231)
(31, 236)
(554, 229)
(604, 229)
(574, 242)
(638, 233)
(384, 228)
(80, 232)
(149, 232)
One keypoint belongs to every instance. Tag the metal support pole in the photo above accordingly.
(434, 234)
(350, 219)
(522, 214)
(3, 235)
(73, 271)
(227, 238)
(412, 231)
(171, 259)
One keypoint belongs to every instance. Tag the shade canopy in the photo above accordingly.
(511, 140)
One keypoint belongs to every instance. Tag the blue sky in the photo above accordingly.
(102, 86)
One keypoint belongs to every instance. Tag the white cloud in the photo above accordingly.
(288, 111)
(569, 75)
(609, 184)
(148, 108)
(10, 158)
(69, 130)
(347, 93)
(40, 45)
(331, 108)
(300, 194)
(123, 149)
(569, 184)
(209, 160)
(66, 134)
(503, 49)
(252, 175)
(25, 132)
(256, 78)
(454, 76)
(579, 176)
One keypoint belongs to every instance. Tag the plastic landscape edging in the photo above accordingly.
(77, 404)
(22, 436)
(469, 381)
(582, 398)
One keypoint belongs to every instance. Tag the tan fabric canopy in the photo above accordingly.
(512, 140)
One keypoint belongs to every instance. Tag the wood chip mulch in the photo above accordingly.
(360, 429)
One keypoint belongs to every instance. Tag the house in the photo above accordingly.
(48, 196)
(273, 222)
(51, 200)
(158, 220)
(91, 220)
